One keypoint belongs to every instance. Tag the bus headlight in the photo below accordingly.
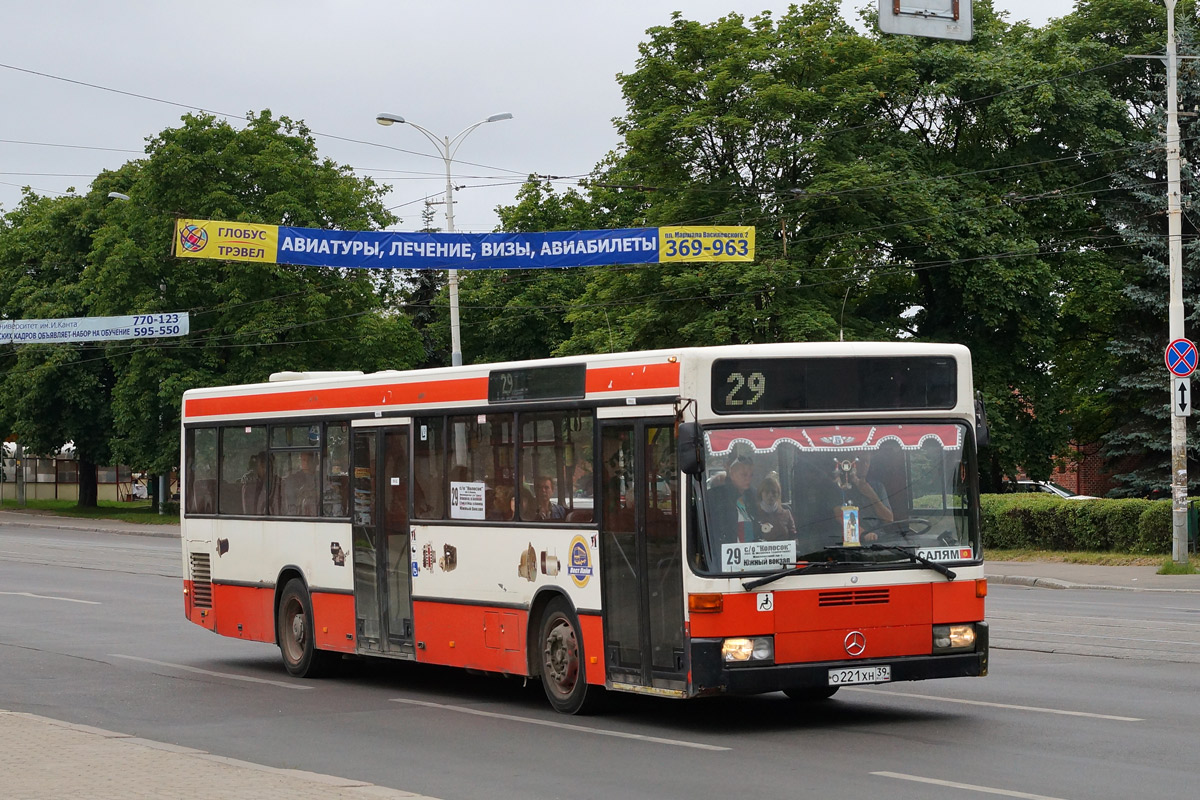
(760, 648)
(948, 638)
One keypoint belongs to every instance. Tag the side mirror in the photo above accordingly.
(982, 436)
(691, 453)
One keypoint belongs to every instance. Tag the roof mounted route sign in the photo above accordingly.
(1181, 358)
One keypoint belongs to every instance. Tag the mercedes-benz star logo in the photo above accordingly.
(855, 643)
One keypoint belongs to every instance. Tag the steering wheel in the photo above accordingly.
(913, 526)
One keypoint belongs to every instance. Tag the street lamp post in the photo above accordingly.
(447, 146)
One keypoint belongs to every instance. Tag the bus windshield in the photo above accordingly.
(771, 497)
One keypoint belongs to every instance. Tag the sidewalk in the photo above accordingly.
(34, 519)
(45, 759)
(1057, 575)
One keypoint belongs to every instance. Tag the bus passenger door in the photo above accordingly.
(641, 546)
(382, 563)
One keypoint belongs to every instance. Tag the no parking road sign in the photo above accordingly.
(1181, 358)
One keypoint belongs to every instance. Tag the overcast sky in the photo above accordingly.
(443, 64)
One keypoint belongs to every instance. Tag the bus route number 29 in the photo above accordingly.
(747, 389)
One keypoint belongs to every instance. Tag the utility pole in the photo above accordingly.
(1175, 317)
(1179, 481)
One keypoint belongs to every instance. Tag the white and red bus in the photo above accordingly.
(686, 522)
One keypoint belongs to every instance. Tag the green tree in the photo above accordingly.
(84, 256)
(1137, 427)
(53, 394)
(901, 188)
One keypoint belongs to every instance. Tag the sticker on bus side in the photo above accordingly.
(946, 553)
(580, 565)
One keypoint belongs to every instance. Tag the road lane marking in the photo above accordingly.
(1009, 706)
(969, 786)
(51, 597)
(197, 670)
(562, 725)
(1006, 631)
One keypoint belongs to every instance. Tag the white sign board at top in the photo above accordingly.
(94, 329)
(939, 19)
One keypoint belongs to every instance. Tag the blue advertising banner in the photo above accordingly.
(393, 250)
(466, 250)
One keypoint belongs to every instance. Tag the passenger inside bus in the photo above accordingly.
(869, 496)
(254, 486)
(503, 503)
(730, 502)
(298, 487)
(772, 521)
(546, 508)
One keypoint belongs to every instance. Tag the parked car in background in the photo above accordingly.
(1048, 487)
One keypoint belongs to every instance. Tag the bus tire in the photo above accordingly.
(295, 629)
(811, 694)
(561, 661)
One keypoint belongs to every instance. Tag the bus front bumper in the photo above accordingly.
(710, 675)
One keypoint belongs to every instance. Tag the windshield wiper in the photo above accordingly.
(797, 570)
(916, 559)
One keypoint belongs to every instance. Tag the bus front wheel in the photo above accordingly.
(564, 676)
(295, 634)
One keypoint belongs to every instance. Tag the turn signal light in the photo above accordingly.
(981, 587)
(705, 603)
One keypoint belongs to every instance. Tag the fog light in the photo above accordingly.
(953, 637)
(761, 648)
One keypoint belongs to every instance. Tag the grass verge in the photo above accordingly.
(1066, 557)
(1169, 567)
(138, 511)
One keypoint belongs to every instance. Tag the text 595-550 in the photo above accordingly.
(155, 319)
(156, 330)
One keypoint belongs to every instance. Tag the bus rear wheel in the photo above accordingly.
(295, 629)
(564, 676)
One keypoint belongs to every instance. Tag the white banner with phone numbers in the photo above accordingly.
(93, 329)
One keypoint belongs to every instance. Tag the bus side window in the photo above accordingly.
(429, 459)
(335, 477)
(556, 455)
(482, 447)
(202, 471)
(243, 470)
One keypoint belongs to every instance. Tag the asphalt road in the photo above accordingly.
(1092, 695)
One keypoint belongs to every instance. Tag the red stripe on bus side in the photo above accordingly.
(250, 607)
(633, 378)
(492, 639)
(637, 377)
(592, 632)
(334, 622)
(253, 608)
(476, 637)
(392, 394)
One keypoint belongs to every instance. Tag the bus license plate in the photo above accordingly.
(877, 674)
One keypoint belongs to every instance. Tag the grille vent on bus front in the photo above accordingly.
(201, 580)
(853, 597)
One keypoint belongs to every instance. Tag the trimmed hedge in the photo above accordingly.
(1043, 522)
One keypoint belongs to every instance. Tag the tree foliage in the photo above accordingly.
(901, 188)
(87, 256)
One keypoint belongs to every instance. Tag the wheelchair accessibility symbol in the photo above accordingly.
(766, 601)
